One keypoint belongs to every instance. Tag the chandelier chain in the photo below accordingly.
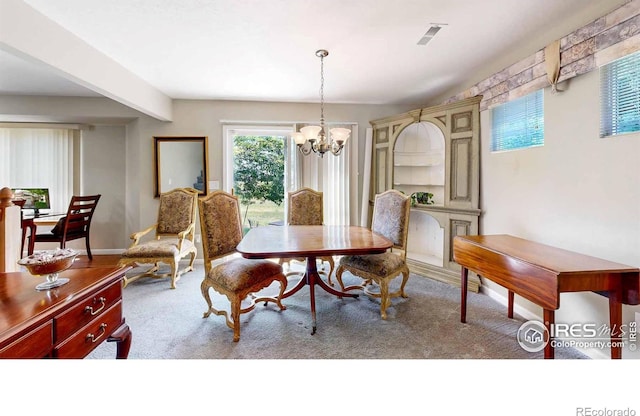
(322, 91)
(314, 138)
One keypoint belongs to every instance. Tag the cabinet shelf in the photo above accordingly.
(421, 207)
(418, 184)
(428, 258)
(399, 165)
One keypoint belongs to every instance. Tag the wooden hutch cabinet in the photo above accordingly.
(435, 150)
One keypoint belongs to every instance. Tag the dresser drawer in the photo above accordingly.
(90, 336)
(85, 311)
(35, 344)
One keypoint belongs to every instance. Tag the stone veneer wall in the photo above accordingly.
(600, 42)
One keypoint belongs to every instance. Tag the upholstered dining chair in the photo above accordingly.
(237, 278)
(76, 224)
(174, 235)
(305, 207)
(390, 219)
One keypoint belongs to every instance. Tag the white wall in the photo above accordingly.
(578, 192)
(103, 168)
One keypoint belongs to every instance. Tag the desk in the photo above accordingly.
(30, 222)
(539, 273)
(311, 241)
(69, 321)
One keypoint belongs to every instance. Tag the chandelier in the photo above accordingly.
(313, 138)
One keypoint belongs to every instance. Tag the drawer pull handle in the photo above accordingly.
(94, 338)
(103, 302)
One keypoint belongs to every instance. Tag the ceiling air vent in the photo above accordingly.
(435, 27)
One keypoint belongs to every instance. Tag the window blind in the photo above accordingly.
(336, 180)
(38, 158)
(519, 123)
(620, 96)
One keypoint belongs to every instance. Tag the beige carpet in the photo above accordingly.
(168, 324)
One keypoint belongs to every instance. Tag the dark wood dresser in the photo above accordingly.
(69, 321)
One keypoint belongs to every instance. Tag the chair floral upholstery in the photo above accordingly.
(237, 278)
(391, 220)
(174, 234)
(306, 208)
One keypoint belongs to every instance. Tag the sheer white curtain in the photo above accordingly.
(293, 165)
(38, 158)
(292, 169)
(336, 183)
(333, 176)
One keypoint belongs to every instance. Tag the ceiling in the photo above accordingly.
(265, 50)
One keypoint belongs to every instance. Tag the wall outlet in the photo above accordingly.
(198, 238)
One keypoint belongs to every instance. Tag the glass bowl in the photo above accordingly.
(49, 263)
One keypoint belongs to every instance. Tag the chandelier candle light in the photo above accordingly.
(313, 138)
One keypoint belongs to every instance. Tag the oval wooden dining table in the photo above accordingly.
(311, 241)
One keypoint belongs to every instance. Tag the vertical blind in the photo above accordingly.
(38, 158)
(336, 181)
(292, 169)
(335, 187)
(519, 123)
(620, 96)
(332, 176)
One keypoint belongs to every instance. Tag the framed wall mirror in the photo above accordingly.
(180, 162)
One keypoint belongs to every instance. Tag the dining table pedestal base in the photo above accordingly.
(312, 278)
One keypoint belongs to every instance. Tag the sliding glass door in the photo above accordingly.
(262, 164)
(258, 171)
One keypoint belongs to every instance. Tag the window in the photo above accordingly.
(38, 158)
(518, 124)
(620, 96)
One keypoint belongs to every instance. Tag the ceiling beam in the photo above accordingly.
(32, 36)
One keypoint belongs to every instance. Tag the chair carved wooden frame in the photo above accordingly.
(306, 208)
(174, 235)
(391, 220)
(236, 278)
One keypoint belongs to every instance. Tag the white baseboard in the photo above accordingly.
(525, 313)
(103, 251)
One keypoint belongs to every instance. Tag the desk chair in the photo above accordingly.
(174, 235)
(391, 211)
(236, 278)
(76, 224)
(306, 208)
